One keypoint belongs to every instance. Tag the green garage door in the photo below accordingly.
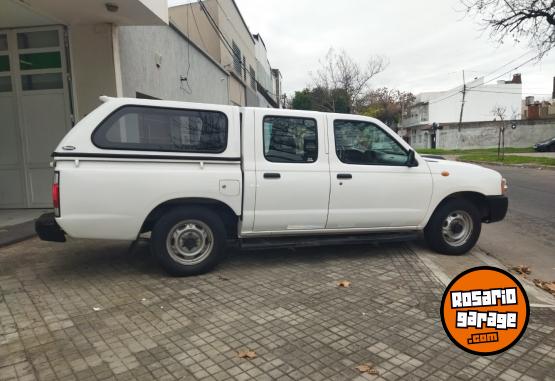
(35, 109)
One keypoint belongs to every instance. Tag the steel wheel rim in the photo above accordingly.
(457, 228)
(189, 242)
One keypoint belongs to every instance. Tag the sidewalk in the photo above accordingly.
(17, 224)
(92, 310)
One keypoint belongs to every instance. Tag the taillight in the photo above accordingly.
(56, 194)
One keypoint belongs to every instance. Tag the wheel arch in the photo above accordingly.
(476, 198)
(226, 213)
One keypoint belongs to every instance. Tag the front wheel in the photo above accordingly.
(188, 241)
(454, 228)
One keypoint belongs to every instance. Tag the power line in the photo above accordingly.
(506, 92)
(507, 72)
(229, 19)
(198, 29)
(188, 90)
(486, 82)
(506, 64)
(224, 40)
(222, 37)
(442, 99)
(226, 43)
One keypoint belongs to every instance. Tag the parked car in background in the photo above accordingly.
(545, 146)
(200, 177)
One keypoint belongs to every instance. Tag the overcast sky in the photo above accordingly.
(428, 43)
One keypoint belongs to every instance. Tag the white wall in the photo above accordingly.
(207, 82)
(233, 28)
(445, 106)
(92, 63)
(485, 134)
(263, 69)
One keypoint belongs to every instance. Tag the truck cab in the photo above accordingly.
(198, 177)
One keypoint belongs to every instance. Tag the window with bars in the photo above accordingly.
(244, 68)
(253, 77)
(236, 57)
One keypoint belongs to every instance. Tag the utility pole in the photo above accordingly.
(463, 99)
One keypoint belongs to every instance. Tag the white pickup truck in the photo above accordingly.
(200, 177)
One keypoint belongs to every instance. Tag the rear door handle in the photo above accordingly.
(344, 176)
(270, 175)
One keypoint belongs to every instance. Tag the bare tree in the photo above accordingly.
(385, 104)
(500, 112)
(338, 72)
(532, 20)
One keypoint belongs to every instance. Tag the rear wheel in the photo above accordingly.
(188, 241)
(454, 228)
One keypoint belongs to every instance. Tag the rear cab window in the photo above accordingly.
(146, 128)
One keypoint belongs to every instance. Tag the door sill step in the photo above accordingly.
(320, 240)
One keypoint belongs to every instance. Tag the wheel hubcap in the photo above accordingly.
(457, 228)
(190, 242)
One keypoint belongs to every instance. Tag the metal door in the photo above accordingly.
(35, 108)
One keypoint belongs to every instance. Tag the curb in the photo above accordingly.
(501, 164)
(17, 233)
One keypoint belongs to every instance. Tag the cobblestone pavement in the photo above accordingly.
(91, 310)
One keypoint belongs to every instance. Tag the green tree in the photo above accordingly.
(302, 100)
(322, 99)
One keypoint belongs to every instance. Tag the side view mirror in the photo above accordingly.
(411, 160)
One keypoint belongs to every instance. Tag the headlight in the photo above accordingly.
(504, 186)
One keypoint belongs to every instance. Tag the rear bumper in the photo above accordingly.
(497, 208)
(48, 229)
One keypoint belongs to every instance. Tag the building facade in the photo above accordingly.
(480, 99)
(160, 62)
(476, 101)
(57, 57)
(218, 27)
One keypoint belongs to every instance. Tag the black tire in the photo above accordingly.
(454, 209)
(164, 227)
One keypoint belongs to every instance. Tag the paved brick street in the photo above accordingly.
(92, 310)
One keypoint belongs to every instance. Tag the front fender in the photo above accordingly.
(452, 177)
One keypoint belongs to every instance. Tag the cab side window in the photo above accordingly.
(290, 139)
(364, 143)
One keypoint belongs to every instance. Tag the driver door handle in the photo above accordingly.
(270, 175)
(344, 176)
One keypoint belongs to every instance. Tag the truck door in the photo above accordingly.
(371, 184)
(292, 171)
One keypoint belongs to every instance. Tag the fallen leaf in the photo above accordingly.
(344, 283)
(368, 369)
(246, 354)
(547, 286)
(521, 269)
